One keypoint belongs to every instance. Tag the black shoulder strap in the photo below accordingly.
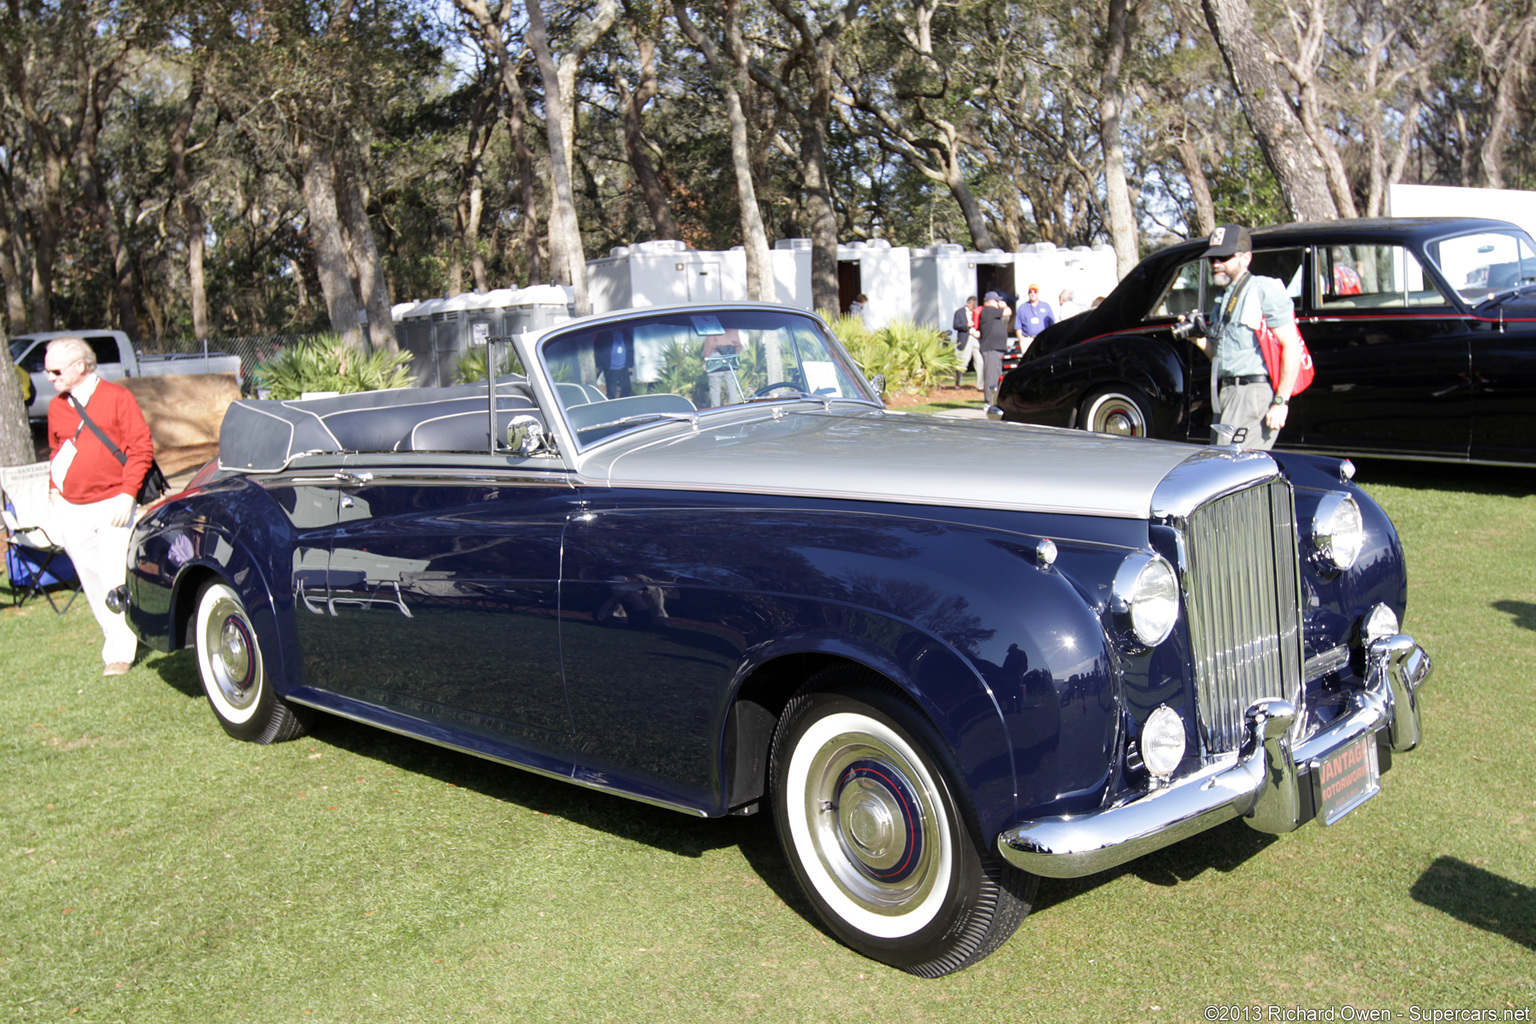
(117, 453)
(1233, 298)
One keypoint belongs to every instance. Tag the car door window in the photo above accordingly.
(1182, 295)
(105, 348)
(1283, 264)
(33, 361)
(1373, 277)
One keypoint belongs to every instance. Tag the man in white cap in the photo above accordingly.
(1244, 398)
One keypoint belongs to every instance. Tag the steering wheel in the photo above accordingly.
(766, 388)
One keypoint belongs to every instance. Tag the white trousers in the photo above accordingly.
(100, 553)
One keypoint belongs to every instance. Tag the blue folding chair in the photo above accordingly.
(34, 562)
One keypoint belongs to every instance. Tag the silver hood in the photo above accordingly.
(880, 455)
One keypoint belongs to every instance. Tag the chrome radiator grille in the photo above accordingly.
(1242, 591)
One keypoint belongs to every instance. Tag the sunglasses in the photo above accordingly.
(59, 373)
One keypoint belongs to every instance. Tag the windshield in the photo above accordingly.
(1486, 262)
(613, 375)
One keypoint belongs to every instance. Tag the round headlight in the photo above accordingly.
(1338, 530)
(1162, 741)
(1146, 594)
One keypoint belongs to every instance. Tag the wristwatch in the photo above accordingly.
(1277, 400)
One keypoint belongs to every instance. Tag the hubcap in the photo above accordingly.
(1119, 417)
(231, 655)
(1119, 423)
(872, 823)
(876, 815)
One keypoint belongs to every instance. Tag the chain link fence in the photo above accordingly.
(253, 350)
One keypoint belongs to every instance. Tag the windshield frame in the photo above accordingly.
(823, 373)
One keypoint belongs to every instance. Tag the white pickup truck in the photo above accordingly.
(115, 358)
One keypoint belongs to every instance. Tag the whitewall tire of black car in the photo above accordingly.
(234, 673)
(870, 823)
(1122, 411)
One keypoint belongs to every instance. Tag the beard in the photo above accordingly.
(1222, 278)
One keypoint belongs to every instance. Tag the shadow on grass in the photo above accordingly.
(1523, 612)
(179, 670)
(1505, 481)
(625, 819)
(1224, 848)
(1480, 898)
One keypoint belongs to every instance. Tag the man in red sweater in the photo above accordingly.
(91, 493)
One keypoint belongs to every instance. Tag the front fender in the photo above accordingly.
(1050, 389)
(177, 549)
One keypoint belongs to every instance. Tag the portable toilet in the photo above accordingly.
(450, 332)
(945, 275)
(415, 335)
(538, 306)
(664, 272)
(792, 271)
(882, 272)
(1087, 271)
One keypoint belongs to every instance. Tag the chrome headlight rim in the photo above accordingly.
(1338, 531)
(1146, 598)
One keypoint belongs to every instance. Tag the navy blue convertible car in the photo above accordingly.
(686, 556)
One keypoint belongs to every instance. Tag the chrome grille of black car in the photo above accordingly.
(1242, 592)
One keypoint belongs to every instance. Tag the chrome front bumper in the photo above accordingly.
(1263, 785)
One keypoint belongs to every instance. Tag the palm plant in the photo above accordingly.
(910, 356)
(470, 366)
(328, 363)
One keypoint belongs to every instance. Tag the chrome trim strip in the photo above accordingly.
(584, 783)
(830, 494)
(1262, 784)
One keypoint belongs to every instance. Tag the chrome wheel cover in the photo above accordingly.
(870, 827)
(1116, 414)
(231, 661)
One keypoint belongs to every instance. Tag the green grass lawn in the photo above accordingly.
(155, 870)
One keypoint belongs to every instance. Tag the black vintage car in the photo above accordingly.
(1422, 331)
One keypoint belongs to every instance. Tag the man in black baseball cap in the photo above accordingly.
(993, 326)
(1229, 239)
(1243, 396)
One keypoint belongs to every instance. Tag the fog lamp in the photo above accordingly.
(1162, 741)
(1379, 622)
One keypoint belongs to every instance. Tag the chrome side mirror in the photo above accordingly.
(525, 434)
(878, 380)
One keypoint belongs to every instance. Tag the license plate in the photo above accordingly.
(1347, 778)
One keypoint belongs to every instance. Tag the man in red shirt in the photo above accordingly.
(91, 494)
